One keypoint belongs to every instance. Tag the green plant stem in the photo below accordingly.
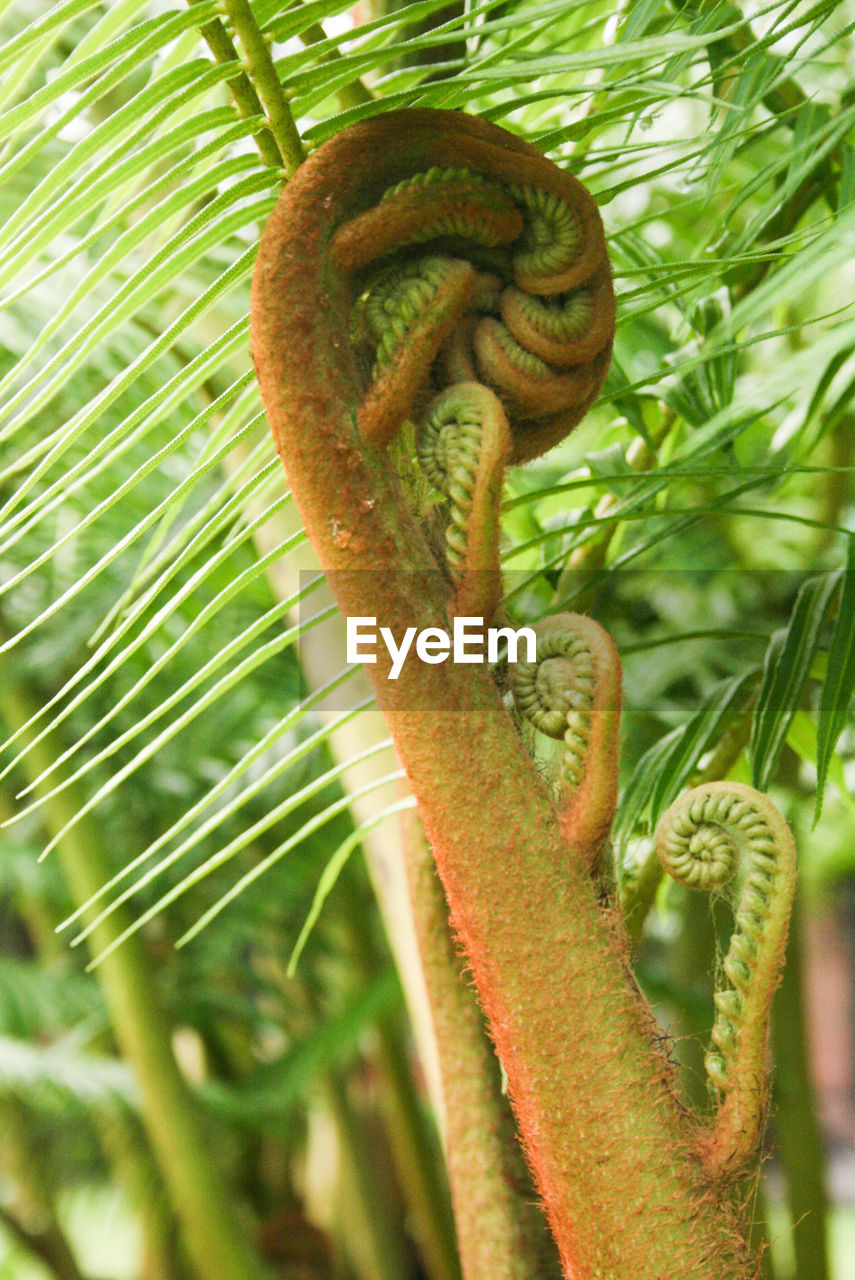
(42, 1246)
(128, 1150)
(783, 99)
(353, 94)
(262, 73)
(373, 1236)
(798, 1133)
(430, 1207)
(452, 51)
(417, 1157)
(214, 1238)
(319, 663)
(591, 555)
(422, 1182)
(814, 187)
(122, 1140)
(36, 1225)
(837, 484)
(243, 95)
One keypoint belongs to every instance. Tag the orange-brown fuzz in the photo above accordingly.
(530, 394)
(607, 1141)
(501, 1231)
(564, 351)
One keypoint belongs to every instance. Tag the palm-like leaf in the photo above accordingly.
(137, 476)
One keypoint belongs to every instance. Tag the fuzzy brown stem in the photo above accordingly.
(625, 1195)
(501, 1232)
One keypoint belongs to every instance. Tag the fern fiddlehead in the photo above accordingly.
(463, 447)
(623, 1189)
(538, 241)
(713, 836)
(572, 693)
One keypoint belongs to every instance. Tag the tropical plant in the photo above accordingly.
(175, 743)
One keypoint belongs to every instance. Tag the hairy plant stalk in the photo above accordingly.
(216, 1243)
(501, 1232)
(623, 1187)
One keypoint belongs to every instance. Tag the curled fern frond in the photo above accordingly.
(463, 446)
(444, 254)
(717, 835)
(572, 693)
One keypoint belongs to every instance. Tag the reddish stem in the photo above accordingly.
(608, 1143)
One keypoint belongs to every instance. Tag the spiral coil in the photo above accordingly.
(571, 693)
(537, 324)
(556, 693)
(718, 835)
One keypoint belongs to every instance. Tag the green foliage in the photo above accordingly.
(703, 512)
(137, 199)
